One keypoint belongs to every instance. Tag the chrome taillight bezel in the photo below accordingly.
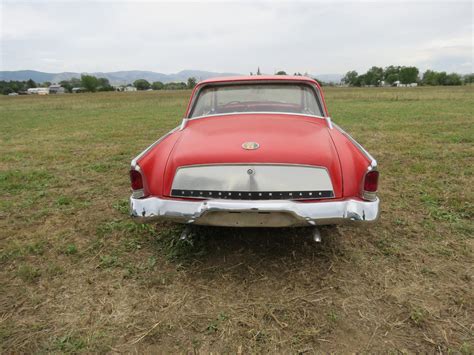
(138, 191)
(370, 194)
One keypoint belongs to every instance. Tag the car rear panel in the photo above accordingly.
(296, 155)
(252, 182)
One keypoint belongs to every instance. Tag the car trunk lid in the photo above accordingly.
(283, 140)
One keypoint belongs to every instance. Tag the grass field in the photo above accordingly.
(76, 274)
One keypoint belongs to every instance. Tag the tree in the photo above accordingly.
(361, 80)
(391, 74)
(442, 78)
(7, 91)
(157, 85)
(468, 78)
(30, 84)
(191, 82)
(453, 79)
(350, 78)
(175, 86)
(374, 76)
(46, 84)
(104, 85)
(89, 82)
(281, 72)
(408, 75)
(66, 84)
(141, 84)
(430, 77)
(75, 82)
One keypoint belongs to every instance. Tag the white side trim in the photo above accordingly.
(373, 162)
(134, 165)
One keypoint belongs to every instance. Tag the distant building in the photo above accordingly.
(125, 88)
(400, 85)
(38, 91)
(77, 90)
(56, 89)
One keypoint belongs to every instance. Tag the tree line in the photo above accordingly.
(377, 76)
(142, 84)
(90, 83)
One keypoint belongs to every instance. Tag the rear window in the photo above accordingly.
(288, 98)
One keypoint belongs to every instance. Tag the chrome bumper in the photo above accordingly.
(238, 213)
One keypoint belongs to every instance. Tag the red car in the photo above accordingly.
(255, 151)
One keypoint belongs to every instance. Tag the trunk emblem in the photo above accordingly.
(250, 145)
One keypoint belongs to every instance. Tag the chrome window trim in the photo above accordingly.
(257, 113)
(250, 82)
(329, 122)
(134, 164)
(373, 162)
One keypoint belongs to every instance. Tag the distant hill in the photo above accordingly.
(118, 77)
(129, 76)
(329, 78)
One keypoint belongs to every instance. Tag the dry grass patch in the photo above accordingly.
(78, 276)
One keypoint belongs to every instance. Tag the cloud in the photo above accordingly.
(316, 37)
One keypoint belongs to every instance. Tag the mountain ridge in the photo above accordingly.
(129, 76)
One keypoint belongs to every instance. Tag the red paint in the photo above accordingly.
(283, 139)
(354, 164)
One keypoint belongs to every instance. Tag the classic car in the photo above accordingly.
(255, 151)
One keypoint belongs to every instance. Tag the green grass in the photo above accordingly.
(78, 275)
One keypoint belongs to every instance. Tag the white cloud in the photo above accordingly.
(317, 37)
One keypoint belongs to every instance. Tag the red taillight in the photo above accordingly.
(136, 180)
(371, 181)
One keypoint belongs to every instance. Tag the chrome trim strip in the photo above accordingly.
(134, 164)
(329, 121)
(184, 122)
(369, 195)
(254, 213)
(256, 163)
(138, 193)
(257, 113)
(373, 162)
(253, 195)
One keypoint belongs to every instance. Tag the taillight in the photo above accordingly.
(136, 180)
(371, 182)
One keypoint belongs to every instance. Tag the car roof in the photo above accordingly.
(239, 78)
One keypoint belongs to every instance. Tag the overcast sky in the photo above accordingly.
(314, 37)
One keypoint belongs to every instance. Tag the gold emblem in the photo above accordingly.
(250, 145)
